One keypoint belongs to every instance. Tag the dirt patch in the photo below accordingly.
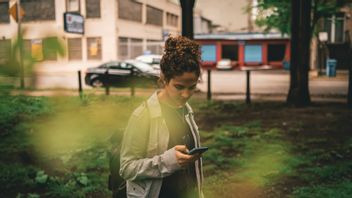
(321, 132)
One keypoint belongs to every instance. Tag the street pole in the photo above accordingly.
(209, 85)
(80, 90)
(349, 93)
(20, 42)
(187, 18)
(248, 87)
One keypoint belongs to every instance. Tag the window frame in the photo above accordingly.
(6, 50)
(150, 22)
(99, 48)
(68, 49)
(39, 16)
(79, 6)
(93, 17)
(6, 14)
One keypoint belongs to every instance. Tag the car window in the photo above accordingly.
(125, 66)
(156, 60)
(142, 66)
(102, 66)
(114, 67)
(112, 64)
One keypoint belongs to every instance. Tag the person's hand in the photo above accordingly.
(183, 159)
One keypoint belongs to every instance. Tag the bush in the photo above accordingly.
(15, 109)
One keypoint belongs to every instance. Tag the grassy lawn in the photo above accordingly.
(57, 147)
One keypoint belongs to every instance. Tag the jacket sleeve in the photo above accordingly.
(134, 164)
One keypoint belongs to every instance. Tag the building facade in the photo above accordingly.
(245, 49)
(229, 15)
(113, 30)
(336, 43)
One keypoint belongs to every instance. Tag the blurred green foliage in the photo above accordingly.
(276, 14)
(17, 109)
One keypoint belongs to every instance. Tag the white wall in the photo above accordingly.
(227, 13)
(108, 27)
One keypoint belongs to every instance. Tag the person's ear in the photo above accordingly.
(162, 81)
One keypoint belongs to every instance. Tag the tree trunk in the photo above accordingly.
(349, 94)
(349, 97)
(300, 44)
(187, 18)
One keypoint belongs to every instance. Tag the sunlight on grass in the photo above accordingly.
(76, 126)
(267, 161)
(250, 157)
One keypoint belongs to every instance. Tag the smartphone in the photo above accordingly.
(199, 150)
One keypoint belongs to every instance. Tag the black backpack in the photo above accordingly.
(116, 183)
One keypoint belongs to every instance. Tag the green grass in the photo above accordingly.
(65, 139)
(341, 189)
(57, 147)
(247, 154)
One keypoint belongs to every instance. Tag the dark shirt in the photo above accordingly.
(182, 183)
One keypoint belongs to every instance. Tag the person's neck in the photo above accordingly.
(165, 99)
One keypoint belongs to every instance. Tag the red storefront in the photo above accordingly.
(245, 49)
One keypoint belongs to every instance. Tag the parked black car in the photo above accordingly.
(122, 74)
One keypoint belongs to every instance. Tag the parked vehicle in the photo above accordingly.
(151, 59)
(225, 64)
(122, 74)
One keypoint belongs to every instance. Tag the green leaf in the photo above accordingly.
(33, 195)
(83, 179)
(41, 177)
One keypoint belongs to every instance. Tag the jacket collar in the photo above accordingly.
(155, 109)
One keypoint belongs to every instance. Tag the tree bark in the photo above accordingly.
(349, 94)
(349, 97)
(298, 94)
(187, 18)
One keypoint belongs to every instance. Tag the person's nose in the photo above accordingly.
(186, 93)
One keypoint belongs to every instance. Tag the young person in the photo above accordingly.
(160, 132)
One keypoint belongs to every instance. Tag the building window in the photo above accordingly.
(276, 52)
(93, 8)
(253, 53)
(154, 16)
(136, 48)
(334, 26)
(208, 53)
(73, 6)
(171, 19)
(27, 47)
(155, 46)
(49, 48)
(130, 10)
(41, 49)
(4, 14)
(38, 10)
(229, 52)
(74, 46)
(94, 48)
(5, 50)
(123, 48)
(129, 48)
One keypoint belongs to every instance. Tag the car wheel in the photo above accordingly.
(97, 83)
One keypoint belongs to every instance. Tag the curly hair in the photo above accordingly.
(180, 55)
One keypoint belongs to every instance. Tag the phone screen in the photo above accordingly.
(199, 150)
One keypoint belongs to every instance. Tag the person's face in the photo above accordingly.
(180, 88)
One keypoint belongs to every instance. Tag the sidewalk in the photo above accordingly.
(272, 83)
(226, 85)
